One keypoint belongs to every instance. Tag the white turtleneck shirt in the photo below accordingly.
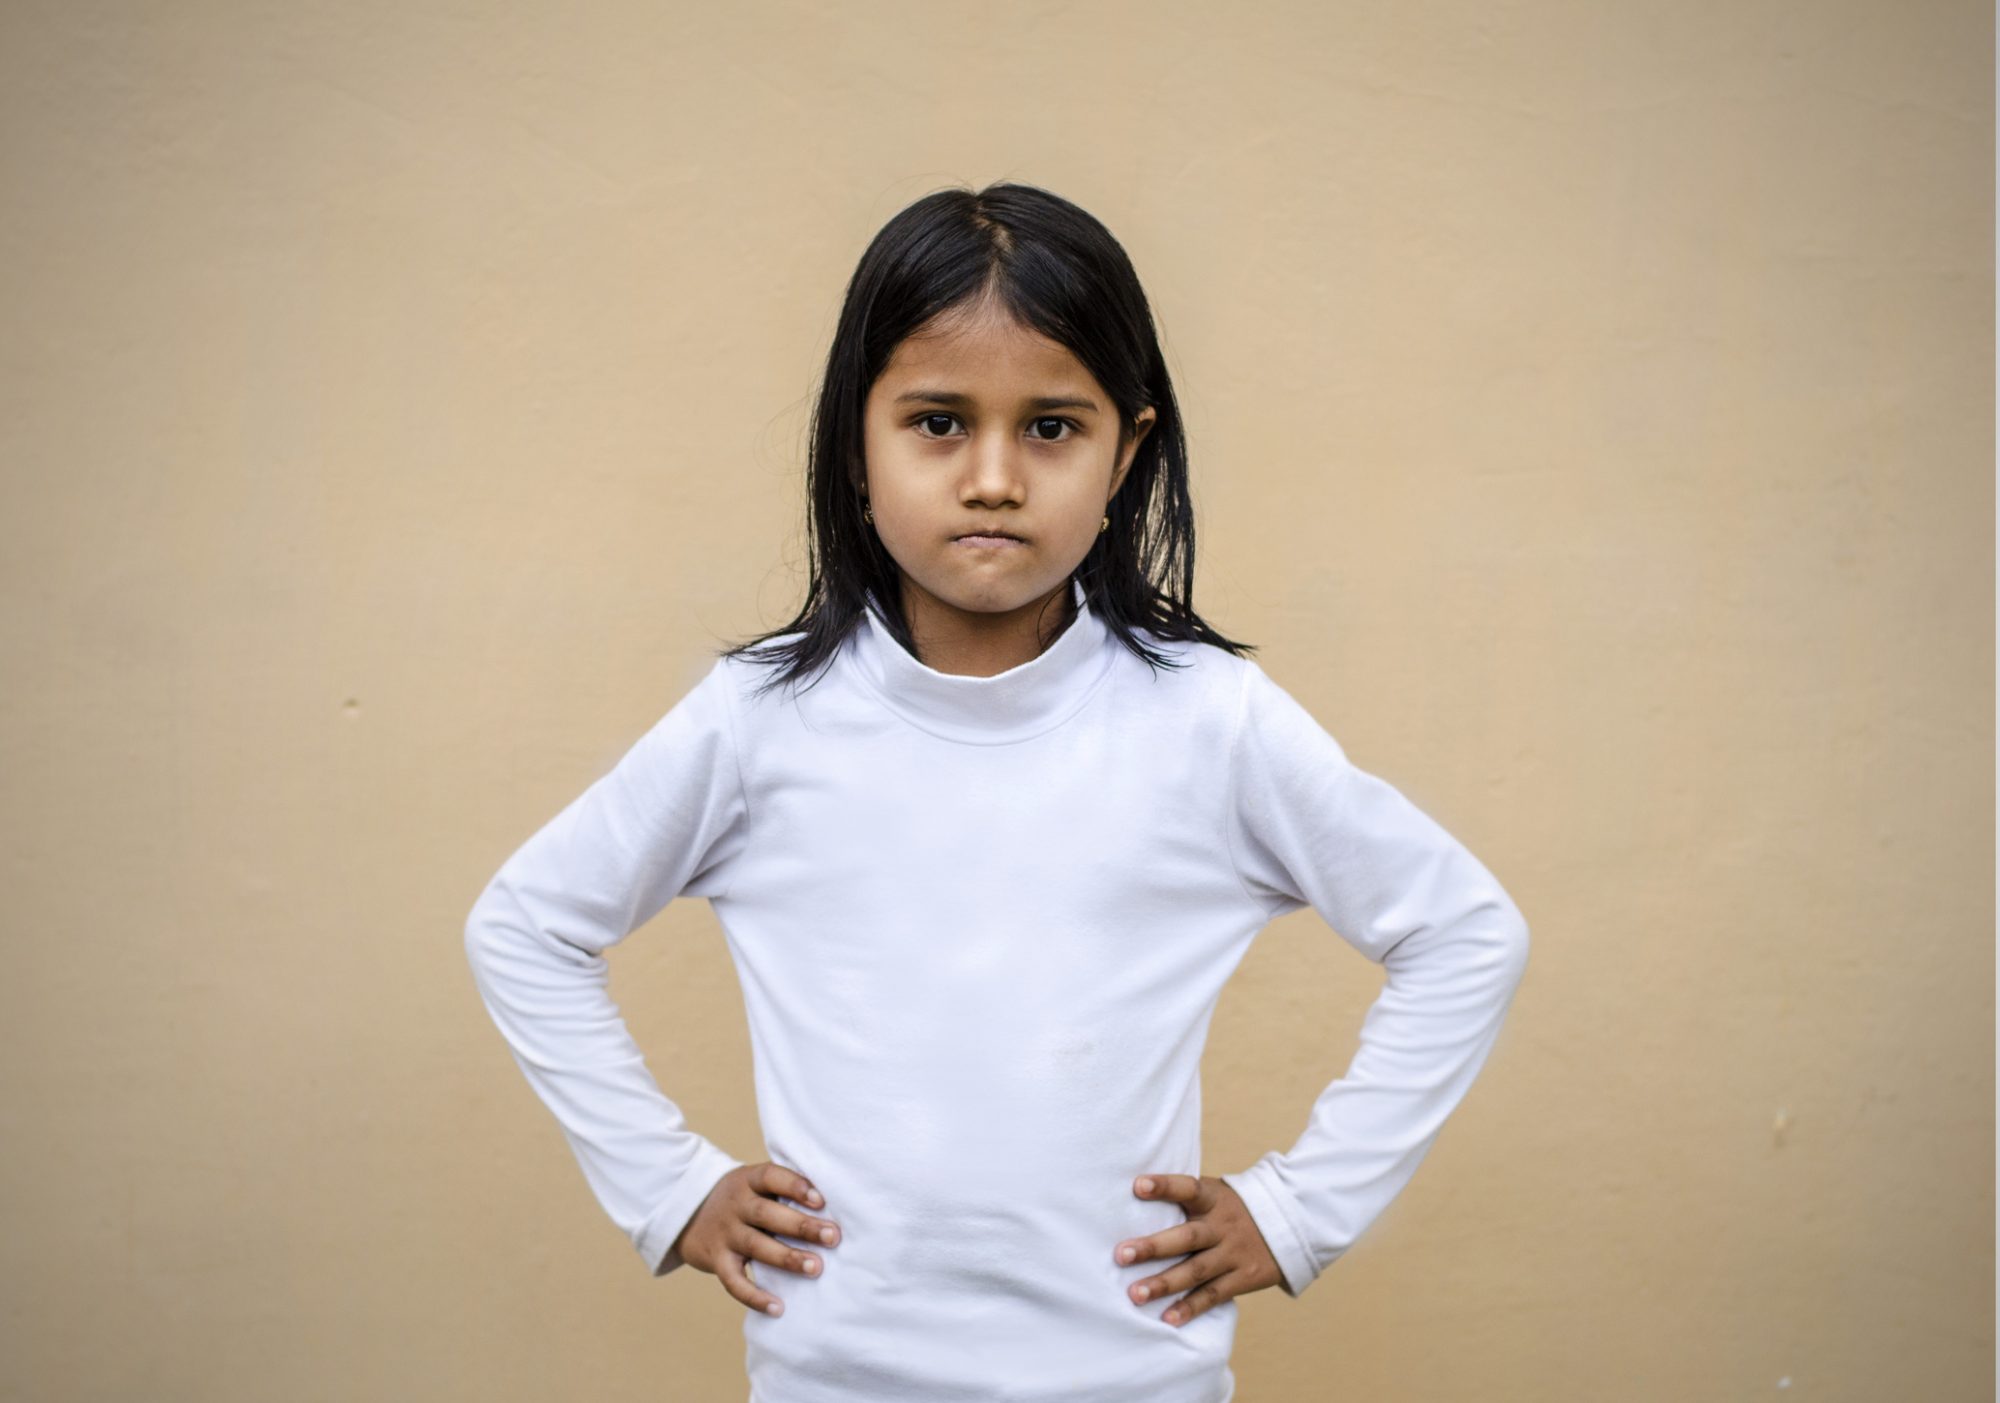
(981, 925)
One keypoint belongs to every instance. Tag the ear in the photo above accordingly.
(1142, 423)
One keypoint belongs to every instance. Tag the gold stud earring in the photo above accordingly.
(1103, 526)
(868, 513)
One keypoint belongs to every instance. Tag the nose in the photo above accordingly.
(993, 469)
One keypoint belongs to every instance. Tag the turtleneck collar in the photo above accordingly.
(1023, 701)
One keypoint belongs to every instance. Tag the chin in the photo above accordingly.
(985, 597)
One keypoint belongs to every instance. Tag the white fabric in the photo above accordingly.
(980, 926)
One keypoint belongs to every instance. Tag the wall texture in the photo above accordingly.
(1592, 418)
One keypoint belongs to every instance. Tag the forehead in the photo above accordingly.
(988, 353)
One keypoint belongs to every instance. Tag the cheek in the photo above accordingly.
(872, 454)
(1085, 505)
(890, 463)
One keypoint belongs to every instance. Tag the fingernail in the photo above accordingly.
(813, 1198)
(1144, 1291)
(826, 1234)
(776, 1308)
(1126, 1254)
(1145, 1186)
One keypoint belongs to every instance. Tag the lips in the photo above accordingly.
(990, 544)
(995, 535)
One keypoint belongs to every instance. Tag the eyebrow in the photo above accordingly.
(952, 397)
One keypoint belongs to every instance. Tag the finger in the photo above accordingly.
(729, 1271)
(1190, 1236)
(1204, 1297)
(762, 1247)
(1181, 1276)
(780, 1182)
(1179, 1188)
(776, 1217)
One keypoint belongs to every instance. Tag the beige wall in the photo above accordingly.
(1592, 418)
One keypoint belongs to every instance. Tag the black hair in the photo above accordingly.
(1053, 267)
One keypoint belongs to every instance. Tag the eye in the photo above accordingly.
(923, 422)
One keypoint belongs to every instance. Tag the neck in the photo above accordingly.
(963, 643)
(998, 707)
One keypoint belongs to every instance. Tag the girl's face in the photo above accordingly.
(982, 423)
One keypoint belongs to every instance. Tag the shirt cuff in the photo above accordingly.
(656, 1238)
(1266, 1203)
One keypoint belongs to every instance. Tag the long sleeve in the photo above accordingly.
(1307, 827)
(665, 821)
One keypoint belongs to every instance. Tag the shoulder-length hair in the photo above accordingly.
(1054, 268)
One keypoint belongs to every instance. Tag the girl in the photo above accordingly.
(987, 827)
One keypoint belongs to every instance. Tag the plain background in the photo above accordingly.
(1591, 414)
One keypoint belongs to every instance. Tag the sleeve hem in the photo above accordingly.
(655, 1238)
(1267, 1210)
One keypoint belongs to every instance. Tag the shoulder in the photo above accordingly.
(757, 683)
(743, 671)
(711, 688)
(702, 693)
(1191, 676)
(1202, 662)
(1253, 704)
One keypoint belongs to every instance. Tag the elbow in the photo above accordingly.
(1503, 935)
(476, 936)
(1515, 934)
(483, 925)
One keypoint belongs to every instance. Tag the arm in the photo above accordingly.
(665, 821)
(1306, 827)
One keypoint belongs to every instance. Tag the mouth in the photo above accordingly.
(980, 542)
